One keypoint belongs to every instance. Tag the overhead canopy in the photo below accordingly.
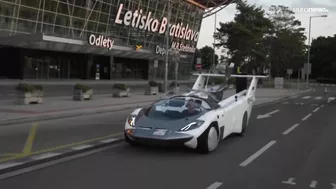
(205, 4)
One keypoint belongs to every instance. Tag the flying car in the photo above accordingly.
(198, 119)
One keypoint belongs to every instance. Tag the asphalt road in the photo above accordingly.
(293, 148)
(59, 132)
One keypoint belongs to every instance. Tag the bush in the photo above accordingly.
(82, 87)
(326, 80)
(25, 87)
(153, 84)
(172, 84)
(120, 86)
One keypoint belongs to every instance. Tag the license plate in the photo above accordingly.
(160, 132)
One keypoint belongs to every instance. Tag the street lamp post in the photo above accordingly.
(308, 54)
(167, 49)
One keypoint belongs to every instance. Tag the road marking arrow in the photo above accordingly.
(267, 115)
(289, 181)
(333, 185)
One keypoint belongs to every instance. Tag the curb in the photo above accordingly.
(281, 99)
(7, 167)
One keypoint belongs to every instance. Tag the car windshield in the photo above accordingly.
(175, 108)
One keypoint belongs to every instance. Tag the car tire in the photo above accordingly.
(244, 124)
(209, 140)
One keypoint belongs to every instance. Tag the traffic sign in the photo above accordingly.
(198, 66)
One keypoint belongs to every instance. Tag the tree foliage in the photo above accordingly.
(206, 54)
(257, 40)
(323, 57)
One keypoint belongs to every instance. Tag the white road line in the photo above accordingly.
(306, 97)
(331, 98)
(313, 184)
(44, 156)
(215, 185)
(289, 181)
(290, 129)
(306, 117)
(108, 140)
(316, 110)
(318, 98)
(8, 165)
(257, 154)
(81, 147)
(322, 106)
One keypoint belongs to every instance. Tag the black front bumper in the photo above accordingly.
(157, 141)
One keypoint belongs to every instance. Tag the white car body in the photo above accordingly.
(228, 116)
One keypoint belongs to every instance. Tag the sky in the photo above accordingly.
(319, 26)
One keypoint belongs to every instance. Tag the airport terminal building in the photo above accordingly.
(96, 39)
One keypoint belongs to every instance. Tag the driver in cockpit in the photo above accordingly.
(191, 110)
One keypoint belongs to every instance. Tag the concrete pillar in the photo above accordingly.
(111, 66)
(89, 65)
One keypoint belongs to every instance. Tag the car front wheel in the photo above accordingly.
(208, 141)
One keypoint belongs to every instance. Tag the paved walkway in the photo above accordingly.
(64, 106)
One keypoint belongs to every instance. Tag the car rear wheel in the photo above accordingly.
(208, 141)
(244, 124)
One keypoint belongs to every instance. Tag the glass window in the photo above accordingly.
(5, 22)
(25, 26)
(28, 13)
(30, 3)
(6, 9)
(50, 5)
(62, 20)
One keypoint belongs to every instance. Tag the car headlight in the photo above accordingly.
(192, 125)
(131, 120)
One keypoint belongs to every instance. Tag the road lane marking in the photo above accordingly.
(318, 98)
(306, 97)
(331, 98)
(62, 147)
(257, 154)
(306, 117)
(215, 185)
(108, 140)
(51, 163)
(322, 105)
(81, 147)
(313, 184)
(289, 181)
(316, 110)
(10, 164)
(44, 156)
(290, 129)
(30, 140)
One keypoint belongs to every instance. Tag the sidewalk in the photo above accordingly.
(61, 107)
(130, 82)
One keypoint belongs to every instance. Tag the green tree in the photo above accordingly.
(286, 44)
(206, 54)
(243, 37)
(323, 57)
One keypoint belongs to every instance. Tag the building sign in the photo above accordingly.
(101, 41)
(138, 19)
(159, 50)
(182, 47)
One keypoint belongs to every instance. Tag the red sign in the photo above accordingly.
(198, 66)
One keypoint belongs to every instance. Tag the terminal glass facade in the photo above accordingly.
(78, 19)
